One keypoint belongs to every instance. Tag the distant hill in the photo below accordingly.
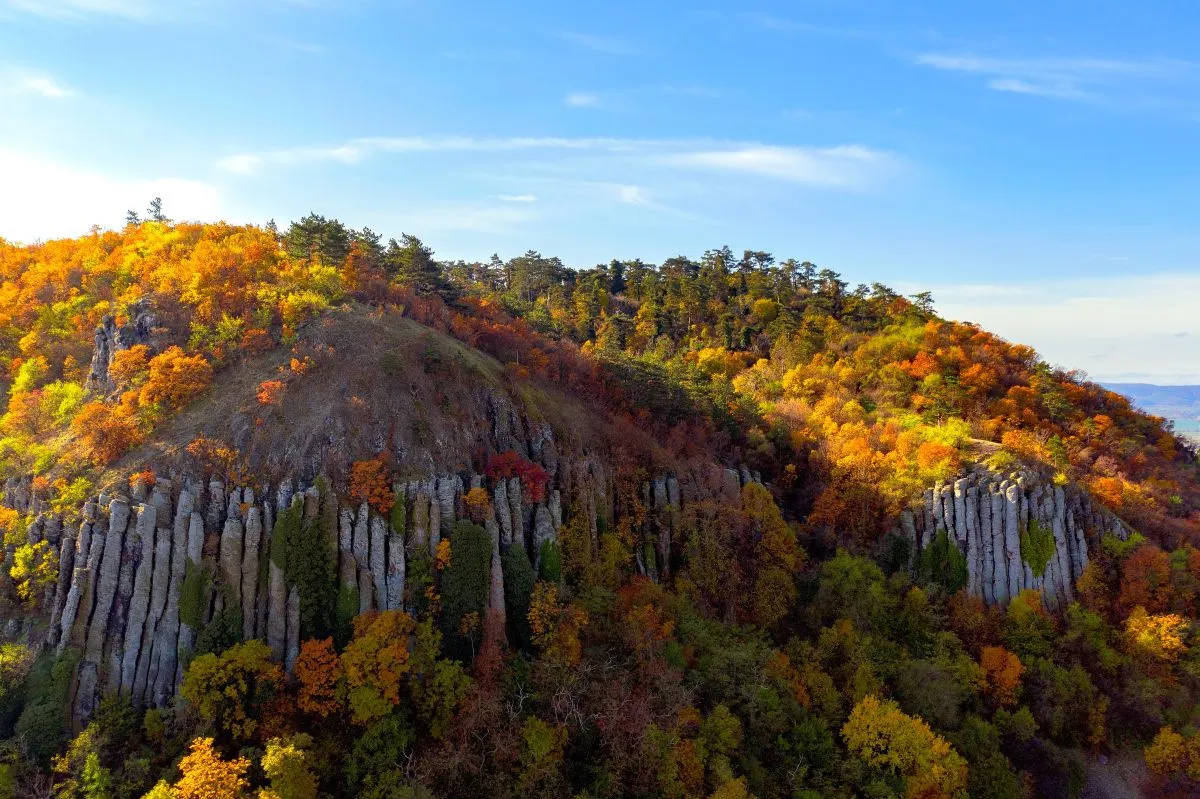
(1179, 403)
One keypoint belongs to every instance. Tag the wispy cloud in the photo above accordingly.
(517, 198)
(582, 100)
(24, 81)
(847, 166)
(1108, 80)
(76, 9)
(609, 45)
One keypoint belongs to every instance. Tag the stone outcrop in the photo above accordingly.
(144, 572)
(986, 515)
(110, 339)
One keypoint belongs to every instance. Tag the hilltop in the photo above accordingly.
(713, 527)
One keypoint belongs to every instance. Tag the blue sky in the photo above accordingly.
(1034, 164)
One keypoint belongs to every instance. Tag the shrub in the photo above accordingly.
(549, 563)
(1037, 546)
(465, 583)
(42, 722)
(519, 579)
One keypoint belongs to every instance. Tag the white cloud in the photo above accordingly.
(1017, 86)
(846, 166)
(633, 195)
(244, 164)
(518, 198)
(44, 199)
(1110, 80)
(1135, 327)
(18, 80)
(609, 45)
(582, 100)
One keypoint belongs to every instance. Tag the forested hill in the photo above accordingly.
(304, 512)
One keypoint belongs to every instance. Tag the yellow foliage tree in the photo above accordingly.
(205, 775)
(1158, 635)
(375, 662)
(885, 737)
(286, 765)
(229, 687)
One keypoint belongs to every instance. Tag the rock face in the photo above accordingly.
(138, 583)
(110, 339)
(987, 515)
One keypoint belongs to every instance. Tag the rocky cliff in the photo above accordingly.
(1014, 531)
(141, 572)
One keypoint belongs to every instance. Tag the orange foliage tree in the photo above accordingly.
(1002, 670)
(319, 673)
(106, 432)
(371, 482)
(175, 378)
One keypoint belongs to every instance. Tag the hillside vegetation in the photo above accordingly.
(782, 647)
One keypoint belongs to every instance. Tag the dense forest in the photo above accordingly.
(786, 642)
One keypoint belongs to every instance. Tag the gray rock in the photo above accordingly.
(555, 505)
(214, 514)
(503, 514)
(277, 613)
(379, 561)
(230, 561)
(79, 580)
(106, 579)
(362, 535)
(447, 489)
(366, 590)
(543, 531)
(435, 521)
(149, 658)
(1012, 539)
(1000, 583)
(194, 552)
(420, 515)
(166, 645)
(395, 572)
(66, 568)
(987, 541)
(143, 536)
(496, 589)
(250, 569)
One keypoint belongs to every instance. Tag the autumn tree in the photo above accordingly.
(175, 378)
(105, 432)
(376, 662)
(227, 689)
(287, 766)
(555, 625)
(319, 672)
(1003, 672)
(1145, 580)
(205, 775)
(777, 557)
(370, 482)
(884, 737)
